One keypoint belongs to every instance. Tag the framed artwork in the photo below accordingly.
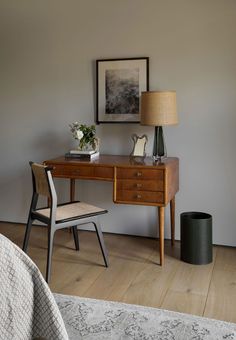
(119, 86)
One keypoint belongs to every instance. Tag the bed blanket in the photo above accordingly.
(27, 307)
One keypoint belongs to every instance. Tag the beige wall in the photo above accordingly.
(47, 80)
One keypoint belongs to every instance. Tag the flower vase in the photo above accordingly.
(89, 146)
(85, 147)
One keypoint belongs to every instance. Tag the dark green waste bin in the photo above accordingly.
(196, 237)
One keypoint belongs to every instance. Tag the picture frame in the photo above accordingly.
(139, 145)
(119, 83)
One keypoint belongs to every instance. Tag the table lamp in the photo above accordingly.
(158, 108)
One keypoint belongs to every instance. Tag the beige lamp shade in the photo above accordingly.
(158, 108)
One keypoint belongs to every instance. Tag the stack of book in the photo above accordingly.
(82, 154)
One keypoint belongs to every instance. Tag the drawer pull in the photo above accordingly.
(76, 171)
(138, 196)
(139, 185)
(139, 174)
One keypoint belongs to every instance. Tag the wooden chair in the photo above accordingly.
(61, 216)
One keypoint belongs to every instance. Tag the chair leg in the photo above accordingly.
(49, 255)
(27, 234)
(30, 221)
(76, 237)
(101, 242)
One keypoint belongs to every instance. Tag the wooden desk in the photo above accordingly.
(134, 182)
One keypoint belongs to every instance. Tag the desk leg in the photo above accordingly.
(172, 220)
(161, 217)
(72, 189)
(72, 198)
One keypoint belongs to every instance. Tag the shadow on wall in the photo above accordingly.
(118, 138)
(51, 144)
(17, 184)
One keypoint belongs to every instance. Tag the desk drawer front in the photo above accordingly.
(134, 173)
(139, 196)
(102, 172)
(73, 171)
(140, 185)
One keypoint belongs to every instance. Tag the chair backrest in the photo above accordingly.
(43, 182)
(40, 180)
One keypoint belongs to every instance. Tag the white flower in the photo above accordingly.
(79, 134)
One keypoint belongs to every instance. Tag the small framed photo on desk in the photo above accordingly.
(139, 145)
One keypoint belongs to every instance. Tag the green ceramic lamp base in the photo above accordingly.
(159, 148)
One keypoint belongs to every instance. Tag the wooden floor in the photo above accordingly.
(134, 275)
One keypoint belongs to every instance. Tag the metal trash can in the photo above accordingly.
(196, 237)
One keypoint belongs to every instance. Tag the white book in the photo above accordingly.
(82, 152)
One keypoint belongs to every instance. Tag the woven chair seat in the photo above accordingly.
(74, 210)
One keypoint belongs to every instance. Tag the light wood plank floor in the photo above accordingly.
(134, 275)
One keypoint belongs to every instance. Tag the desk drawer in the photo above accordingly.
(140, 185)
(133, 173)
(106, 173)
(73, 171)
(130, 196)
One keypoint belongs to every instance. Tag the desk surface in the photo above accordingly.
(115, 160)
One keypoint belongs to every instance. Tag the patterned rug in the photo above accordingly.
(90, 319)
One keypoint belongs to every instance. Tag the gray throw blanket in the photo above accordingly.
(27, 307)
